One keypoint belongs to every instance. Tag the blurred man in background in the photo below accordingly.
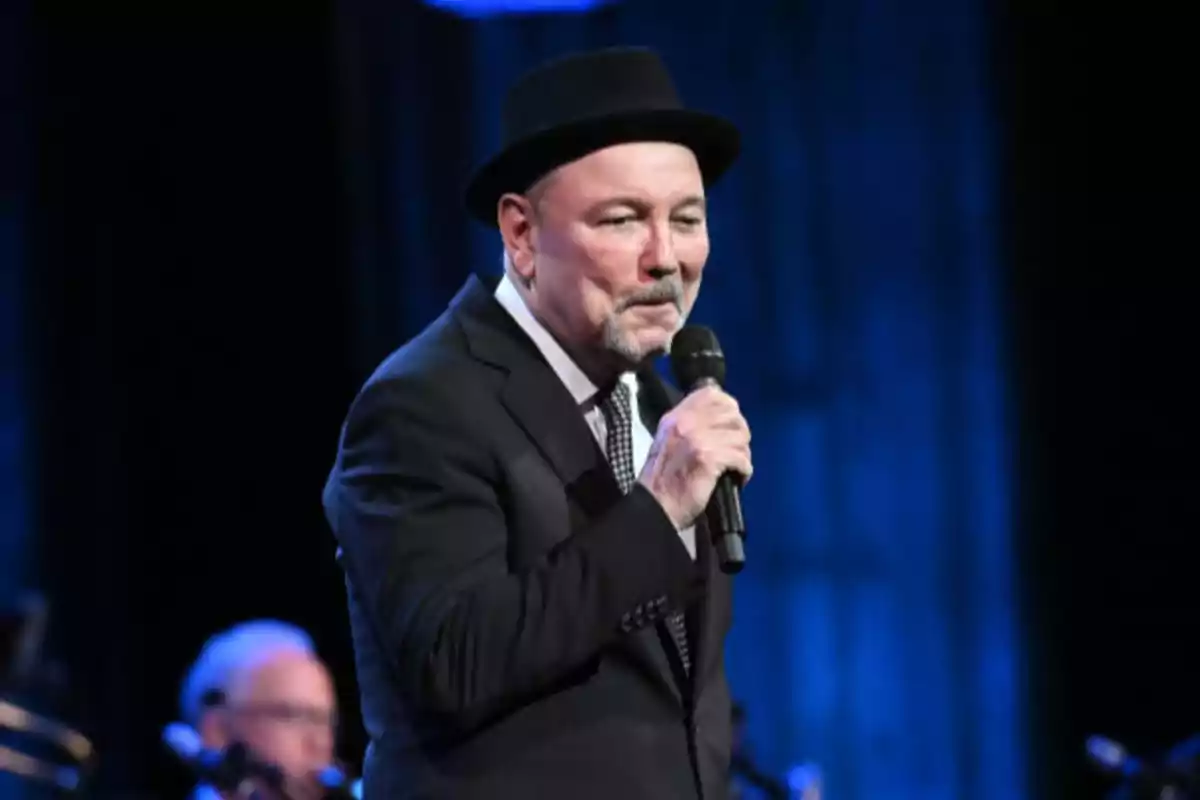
(261, 684)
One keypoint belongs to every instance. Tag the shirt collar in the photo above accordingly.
(577, 382)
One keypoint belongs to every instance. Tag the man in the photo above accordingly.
(261, 684)
(516, 493)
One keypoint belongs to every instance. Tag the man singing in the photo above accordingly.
(517, 495)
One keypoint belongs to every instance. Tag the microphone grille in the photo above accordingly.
(696, 355)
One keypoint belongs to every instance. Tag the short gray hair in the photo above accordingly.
(230, 651)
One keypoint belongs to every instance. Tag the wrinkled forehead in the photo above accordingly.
(653, 172)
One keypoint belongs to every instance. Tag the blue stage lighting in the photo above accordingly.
(491, 8)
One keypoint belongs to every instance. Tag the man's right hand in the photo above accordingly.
(697, 442)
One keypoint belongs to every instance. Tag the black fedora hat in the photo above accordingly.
(584, 102)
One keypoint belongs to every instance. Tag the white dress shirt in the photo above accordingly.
(580, 385)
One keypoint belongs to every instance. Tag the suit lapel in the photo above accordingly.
(544, 408)
(537, 399)
(539, 402)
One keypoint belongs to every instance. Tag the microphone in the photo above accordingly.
(224, 769)
(697, 361)
(1164, 781)
(228, 769)
(336, 784)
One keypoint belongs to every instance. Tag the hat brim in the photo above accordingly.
(715, 141)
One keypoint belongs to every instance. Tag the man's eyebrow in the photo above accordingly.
(694, 200)
(609, 202)
(691, 201)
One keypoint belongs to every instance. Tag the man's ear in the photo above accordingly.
(516, 216)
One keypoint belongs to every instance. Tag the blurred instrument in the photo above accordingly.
(1175, 776)
(21, 638)
(15, 719)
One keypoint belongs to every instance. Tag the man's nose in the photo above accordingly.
(659, 259)
(660, 272)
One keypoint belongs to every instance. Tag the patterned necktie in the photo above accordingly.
(618, 415)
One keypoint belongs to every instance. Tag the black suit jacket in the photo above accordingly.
(505, 598)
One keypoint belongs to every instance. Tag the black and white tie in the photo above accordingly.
(618, 416)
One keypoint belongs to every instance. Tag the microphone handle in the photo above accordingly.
(726, 525)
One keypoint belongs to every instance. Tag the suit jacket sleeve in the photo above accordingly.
(417, 509)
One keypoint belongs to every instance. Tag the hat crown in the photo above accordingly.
(582, 103)
(585, 86)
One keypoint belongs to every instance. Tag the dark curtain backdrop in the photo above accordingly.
(236, 216)
(215, 221)
(855, 288)
(221, 219)
(191, 351)
(15, 179)
(15, 525)
(1101, 240)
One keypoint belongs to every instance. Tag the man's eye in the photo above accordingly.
(689, 222)
(619, 222)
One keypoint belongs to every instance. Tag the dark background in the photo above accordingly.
(187, 326)
(178, 335)
(1105, 315)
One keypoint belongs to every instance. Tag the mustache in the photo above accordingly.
(665, 291)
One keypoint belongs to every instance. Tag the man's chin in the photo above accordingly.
(639, 345)
(642, 349)
(304, 789)
(657, 341)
